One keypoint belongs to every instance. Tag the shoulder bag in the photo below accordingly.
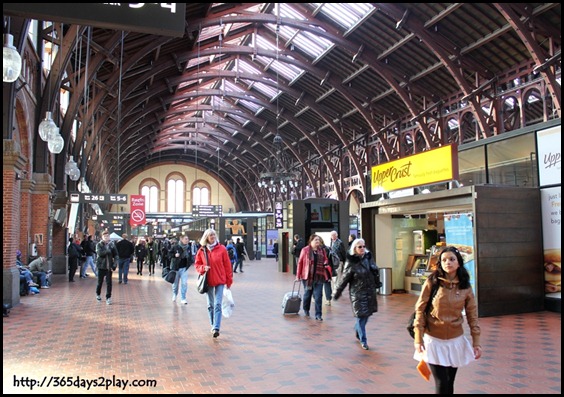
(410, 327)
(169, 275)
(202, 284)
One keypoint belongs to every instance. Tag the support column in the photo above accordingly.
(12, 165)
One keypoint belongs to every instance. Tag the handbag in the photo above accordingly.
(202, 285)
(169, 276)
(329, 271)
(410, 323)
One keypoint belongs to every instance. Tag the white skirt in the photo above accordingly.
(455, 353)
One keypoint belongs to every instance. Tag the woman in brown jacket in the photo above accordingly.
(439, 337)
(212, 257)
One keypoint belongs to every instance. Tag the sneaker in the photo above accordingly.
(328, 303)
(364, 346)
(82, 277)
(32, 284)
(109, 301)
(45, 286)
(98, 298)
(174, 298)
(241, 271)
(319, 318)
(184, 301)
(215, 333)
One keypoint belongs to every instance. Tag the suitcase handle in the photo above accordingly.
(299, 286)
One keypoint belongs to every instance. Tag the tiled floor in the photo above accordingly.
(64, 334)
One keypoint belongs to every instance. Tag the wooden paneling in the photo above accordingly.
(509, 245)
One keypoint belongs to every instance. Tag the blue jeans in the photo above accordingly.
(317, 291)
(182, 278)
(42, 277)
(328, 290)
(238, 264)
(215, 300)
(123, 269)
(360, 328)
(89, 261)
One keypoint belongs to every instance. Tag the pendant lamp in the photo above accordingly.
(11, 60)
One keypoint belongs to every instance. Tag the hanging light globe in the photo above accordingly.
(70, 165)
(12, 61)
(48, 127)
(56, 144)
(74, 174)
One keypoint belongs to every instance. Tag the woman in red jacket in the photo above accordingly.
(212, 257)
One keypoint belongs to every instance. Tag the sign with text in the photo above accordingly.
(166, 19)
(137, 208)
(549, 156)
(433, 166)
(278, 215)
(94, 198)
(207, 210)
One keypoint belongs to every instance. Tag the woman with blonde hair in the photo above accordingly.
(212, 257)
(361, 274)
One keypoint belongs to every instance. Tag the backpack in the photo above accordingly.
(231, 253)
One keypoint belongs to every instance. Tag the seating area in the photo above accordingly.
(143, 336)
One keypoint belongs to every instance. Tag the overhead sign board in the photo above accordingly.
(278, 215)
(207, 210)
(165, 19)
(95, 198)
(426, 168)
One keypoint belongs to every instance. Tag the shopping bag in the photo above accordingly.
(228, 303)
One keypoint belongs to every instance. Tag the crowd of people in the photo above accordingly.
(322, 269)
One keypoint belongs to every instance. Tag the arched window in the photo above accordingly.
(175, 193)
(150, 189)
(201, 193)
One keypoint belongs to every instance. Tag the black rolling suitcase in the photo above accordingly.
(292, 300)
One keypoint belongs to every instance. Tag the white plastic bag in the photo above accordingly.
(228, 303)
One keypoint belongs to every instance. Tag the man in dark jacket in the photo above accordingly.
(107, 256)
(75, 252)
(89, 250)
(125, 249)
(180, 260)
(297, 249)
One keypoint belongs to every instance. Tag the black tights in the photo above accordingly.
(444, 378)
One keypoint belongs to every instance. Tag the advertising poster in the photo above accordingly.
(459, 233)
(549, 156)
(271, 238)
(551, 204)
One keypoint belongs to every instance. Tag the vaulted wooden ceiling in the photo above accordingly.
(245, 72)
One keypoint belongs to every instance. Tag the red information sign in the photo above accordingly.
(137, 208)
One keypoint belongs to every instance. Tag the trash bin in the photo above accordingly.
(386, 280)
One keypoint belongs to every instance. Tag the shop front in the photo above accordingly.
(498, 230)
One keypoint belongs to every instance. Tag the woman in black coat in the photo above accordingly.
(361, 274)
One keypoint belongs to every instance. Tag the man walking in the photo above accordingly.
(89, 249)
(107, 254)
(338, 255)
(125, 249)
(297, 249)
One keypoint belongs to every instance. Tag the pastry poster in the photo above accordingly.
(551, 205)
